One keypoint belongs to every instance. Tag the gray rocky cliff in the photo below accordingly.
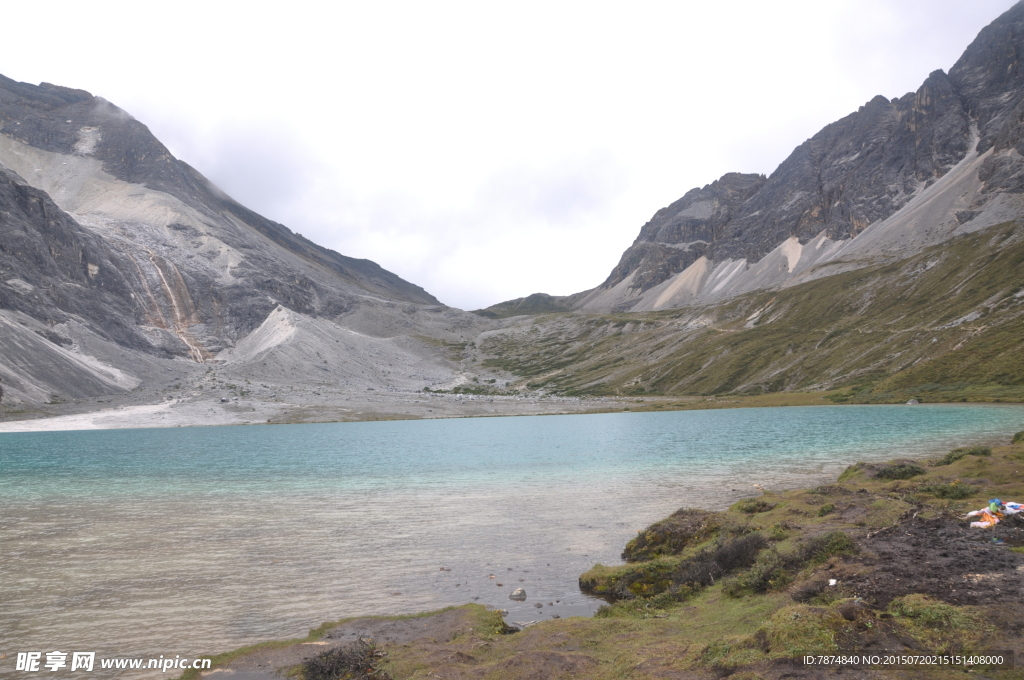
(54, 269)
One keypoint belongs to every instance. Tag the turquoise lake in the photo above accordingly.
(198, 540)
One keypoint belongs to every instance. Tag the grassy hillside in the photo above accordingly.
(945, 325)
(538, 303)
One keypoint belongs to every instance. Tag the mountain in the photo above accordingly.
(114, 254)
(883, 183)
(881, 260)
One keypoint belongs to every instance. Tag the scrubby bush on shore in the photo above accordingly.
(677, 579)
(672, 535)
(774, 571)
(955, 490)
(899, 471)
(357, 661)
(752, 506)
(956, 454)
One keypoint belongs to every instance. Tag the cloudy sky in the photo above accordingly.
(484, 150)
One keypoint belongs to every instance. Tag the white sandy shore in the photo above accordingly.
(147, 415)
(201, 412)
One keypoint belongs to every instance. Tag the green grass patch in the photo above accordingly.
(850, 472)
(801, 629)
(752, 506)
(955, 490)
(944, 627)
(956, 454)
(899, 471)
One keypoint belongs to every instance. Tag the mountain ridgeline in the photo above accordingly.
(852, 179)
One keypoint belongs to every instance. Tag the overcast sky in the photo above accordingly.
(484, 150)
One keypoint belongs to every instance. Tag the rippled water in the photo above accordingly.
(196, 540)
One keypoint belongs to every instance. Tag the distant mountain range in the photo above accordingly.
(125, 273)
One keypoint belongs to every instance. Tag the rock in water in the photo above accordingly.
(518, 594)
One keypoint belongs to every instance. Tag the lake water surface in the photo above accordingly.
(197, 540)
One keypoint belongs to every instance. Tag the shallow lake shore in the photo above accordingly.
(329, 407)
(870, 590)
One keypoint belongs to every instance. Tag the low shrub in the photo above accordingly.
(672, 535)
(826, 509)
(830, 544)
(773, 571)
(769, 572)
(751, 506)
(678, 579)
(357, 661)
(956, 454)
(899, 471)
(953, 491)
(1018, 438)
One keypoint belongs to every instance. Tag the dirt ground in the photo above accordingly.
(944, 559)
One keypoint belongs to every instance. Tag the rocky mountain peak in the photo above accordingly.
(684, 231)
(854, 173)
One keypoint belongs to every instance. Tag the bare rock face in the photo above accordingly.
(681, 233)
(855, 172)
(52, 268)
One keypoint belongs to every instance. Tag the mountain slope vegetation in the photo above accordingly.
(943, 325)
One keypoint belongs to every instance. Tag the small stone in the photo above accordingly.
(538, 605)
(518, 594)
